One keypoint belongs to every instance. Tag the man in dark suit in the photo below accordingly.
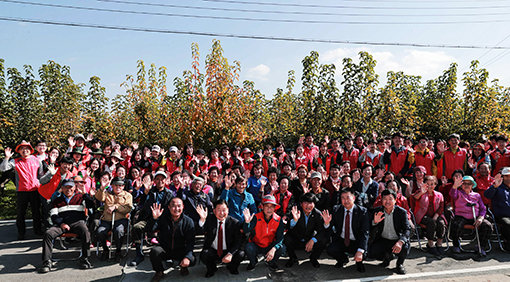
(390, 232)
(307, 230)
(223, 239)
(366, 188)
(351, 227)
(194, 197)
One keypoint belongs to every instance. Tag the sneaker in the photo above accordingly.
(85, 263)
(250, 267)
(456, 250)
(158, 276)
(46, 267)
(138, 259)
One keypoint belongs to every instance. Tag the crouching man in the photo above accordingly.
(68, 214)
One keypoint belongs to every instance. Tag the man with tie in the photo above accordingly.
(390, 232)
(223, 239)
(351, 229)
(307, 230)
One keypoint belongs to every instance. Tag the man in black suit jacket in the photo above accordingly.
(354, 220)
(366, 188)
(390, 232)
(224, 247)
(194, 197)
(307, 230)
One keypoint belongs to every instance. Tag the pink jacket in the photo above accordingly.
(422, 204)
(461, 199)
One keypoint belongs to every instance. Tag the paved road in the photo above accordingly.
(19, 260)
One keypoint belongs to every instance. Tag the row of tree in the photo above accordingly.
(211, 107)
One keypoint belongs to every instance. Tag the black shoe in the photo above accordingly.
(158, 276)
(250, 267)
(360, 267)
(184, 271)
(138, 259)
(440, 250)
(433, 251)
(400, 269)
(118, 254)
(234, 271)
(272, 266)
(46, 267)
(385, 263)
(85, 263)
(209, 274)
(342, 263)
(315, 263)
(21, 237)
(291, 262)
(105, 255)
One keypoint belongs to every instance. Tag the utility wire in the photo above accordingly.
(258, 37)
(149, 4)
(300, 21)
(356, 7)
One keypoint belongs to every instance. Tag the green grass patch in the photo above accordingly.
(8, 202)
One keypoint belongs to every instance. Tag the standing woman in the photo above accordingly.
(478, 157)
(93, 174)
(428, 211)
(187, 157)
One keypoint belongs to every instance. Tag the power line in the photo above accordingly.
(354, 7)
(300, 21)
(297, 12)
(257, 37)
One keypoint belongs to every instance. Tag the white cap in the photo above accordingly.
(173, 149)
(505, 171)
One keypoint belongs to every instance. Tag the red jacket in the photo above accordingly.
(265, 232)
(268, 162)
(482, 184)
(499, 160)
(453, 161)
(425, 159)
(422, 205)
(352, 156)
(27, 170)
(311, 151)
(302, 161)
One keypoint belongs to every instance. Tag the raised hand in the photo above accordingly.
(263, 182)
(326, 216)
(146, 152)
(247, 216)
(52, 169)
(8, 153)
(457, 183)
(157, 211)
(228, 183)
(89, 137)
(246, 174)
(162, 152)
(296, 214)
(378, 217)
(71, 142)
(129, 152)
(498, 180)
(134, 145)
(404, 181)
(301, 140)
(202, 212)
(444, 180)
(326, 139)
(471, 163)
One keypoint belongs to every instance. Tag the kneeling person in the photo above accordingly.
(223, 239)
(307, 230)
(68, 214)
(267, 234)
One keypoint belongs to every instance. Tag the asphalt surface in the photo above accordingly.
(19, 261)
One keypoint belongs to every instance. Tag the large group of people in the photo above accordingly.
(350, 197)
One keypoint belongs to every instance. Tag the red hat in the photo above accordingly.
(25, 143)
(269, 200)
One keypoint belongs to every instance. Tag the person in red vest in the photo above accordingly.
(484, 180)
(301, 158)
(350, 153)
(323, 158)
(78, 142)
(284, 197)
(423, 156)
(268, 160)
(500, 157)
(398, 158)
(335, 151)
(311, 150)
(29, 176)
(454, 157)
(266, 237)
(370, 155)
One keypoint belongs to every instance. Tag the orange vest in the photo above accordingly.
(265, 232)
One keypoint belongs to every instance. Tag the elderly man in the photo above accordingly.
(390, 232)
(499, 193)
(223, 239)
(194, 197)
(117, 205)
(266, 236)
(68, 215)
(176, 238)
(29, 175)
(307, 230)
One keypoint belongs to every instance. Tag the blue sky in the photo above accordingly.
(112, 55)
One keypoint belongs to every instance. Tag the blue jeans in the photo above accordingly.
(252, 250)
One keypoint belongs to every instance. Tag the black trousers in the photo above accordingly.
(22, 201)
(382, 249)
(210, 258)
(434, 228)
(504, 223)
(158, 255)
(484, 231)
(339, 251)
(78, 227)
(119, 226)
(292, 243)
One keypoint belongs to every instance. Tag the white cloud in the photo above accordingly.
(259, 72)
(427, 64)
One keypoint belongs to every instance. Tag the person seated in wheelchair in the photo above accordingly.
(429, 211)
(499, 193)
(469, 210)
(117, 206)
(68, 214)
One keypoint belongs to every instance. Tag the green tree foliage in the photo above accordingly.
(95, 112)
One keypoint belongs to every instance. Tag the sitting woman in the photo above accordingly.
(464, 200)
(428, 210)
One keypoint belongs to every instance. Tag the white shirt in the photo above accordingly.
(215, 242)
(351, 235)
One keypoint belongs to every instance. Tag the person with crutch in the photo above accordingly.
(469, 209)
(117, 206)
